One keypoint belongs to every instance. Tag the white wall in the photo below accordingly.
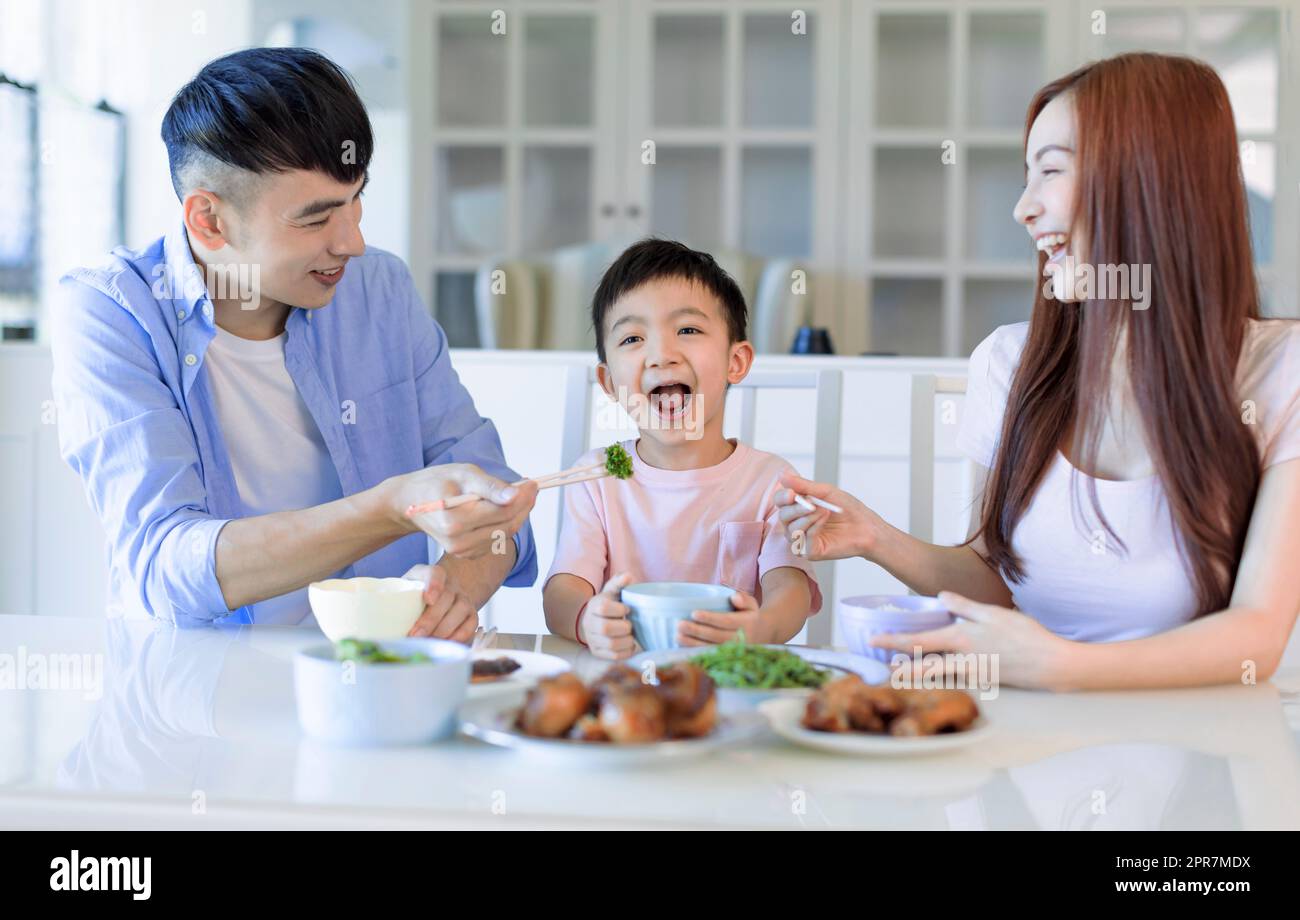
(52, 551)
(163, 44)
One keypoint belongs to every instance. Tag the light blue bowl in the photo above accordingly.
(657, 606)
(381, 705)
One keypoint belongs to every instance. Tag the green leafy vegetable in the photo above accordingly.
(617, 462)
(739, 666)
(370, 653)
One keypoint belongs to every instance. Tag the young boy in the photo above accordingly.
(670, 334)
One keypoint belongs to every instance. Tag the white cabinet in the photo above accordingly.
(732, 127)
(513, 131)
(1247, 43)
(876, 140)
(938, 93)
(552, 124)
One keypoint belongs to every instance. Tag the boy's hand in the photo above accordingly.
(709, 627)
(604, 627)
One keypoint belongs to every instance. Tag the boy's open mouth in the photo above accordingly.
(670, 400)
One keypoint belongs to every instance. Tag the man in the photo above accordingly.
(254, 400)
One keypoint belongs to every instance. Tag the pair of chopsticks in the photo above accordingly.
(483, 640)
(809, 503)
(563, 478)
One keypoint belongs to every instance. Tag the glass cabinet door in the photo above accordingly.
(936, 111)
(1243, 46)
(688, 50)
(732, 124)
(520, 148)
(878, 142)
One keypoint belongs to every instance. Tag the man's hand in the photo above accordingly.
(469, 531)
(448, 613)
(604, 626)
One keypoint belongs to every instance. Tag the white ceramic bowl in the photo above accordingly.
(381, 705)
(657, 606)
(869, 615)
(366, 608)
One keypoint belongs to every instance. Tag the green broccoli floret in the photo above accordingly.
(617, 462)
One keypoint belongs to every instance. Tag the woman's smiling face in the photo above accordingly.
(1046, 207)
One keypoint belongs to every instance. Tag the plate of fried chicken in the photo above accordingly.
(619, 718)
(850, 716)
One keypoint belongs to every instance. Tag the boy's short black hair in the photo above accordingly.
(269, 110)
(653, 259)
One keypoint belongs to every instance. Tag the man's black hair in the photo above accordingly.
(269, 110)
(654, 259)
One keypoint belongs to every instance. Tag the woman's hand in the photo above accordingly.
(468, 531)
(822, 534)
(448, 613)
(711, 627)
(1021, 651)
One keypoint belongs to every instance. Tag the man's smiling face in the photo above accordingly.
(300, 228)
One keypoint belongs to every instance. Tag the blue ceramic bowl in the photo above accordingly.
(657, 606)
(381, 705)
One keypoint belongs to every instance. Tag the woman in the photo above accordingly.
(1137, 453)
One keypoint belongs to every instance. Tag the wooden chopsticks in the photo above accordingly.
(809, 503)
(562, 478)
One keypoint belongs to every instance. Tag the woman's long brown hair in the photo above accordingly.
(1160, 184)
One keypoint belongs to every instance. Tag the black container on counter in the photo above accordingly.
(810, 340)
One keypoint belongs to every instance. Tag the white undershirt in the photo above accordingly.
(278, 456)
(1079, 582)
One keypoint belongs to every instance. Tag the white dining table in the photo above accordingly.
(196, 728)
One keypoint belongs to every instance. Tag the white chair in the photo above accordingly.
(925, 389)
(827, 386)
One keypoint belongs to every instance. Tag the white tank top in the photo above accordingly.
(1079, 582)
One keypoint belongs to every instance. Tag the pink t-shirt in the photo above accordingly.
(716, 525)
(1078, 582)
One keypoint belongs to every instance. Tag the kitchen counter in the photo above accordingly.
(150, 726)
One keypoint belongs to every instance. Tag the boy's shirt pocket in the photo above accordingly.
(738, 548)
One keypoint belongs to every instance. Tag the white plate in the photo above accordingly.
(533, 667)
(786, 715)
(492, 720)
(870, 670)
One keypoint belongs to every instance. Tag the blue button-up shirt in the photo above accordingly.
(138, 424)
